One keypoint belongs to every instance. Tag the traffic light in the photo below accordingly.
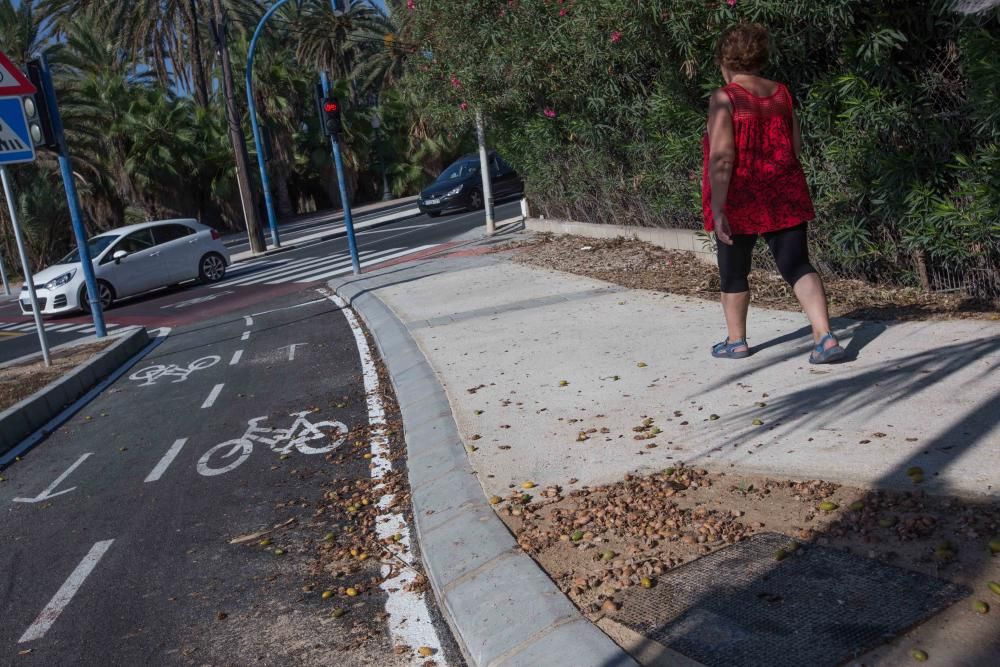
(331, 116)
(36, 111)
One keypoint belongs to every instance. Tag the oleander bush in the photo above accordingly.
(600, 104)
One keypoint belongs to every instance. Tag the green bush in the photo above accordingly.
(601, 106)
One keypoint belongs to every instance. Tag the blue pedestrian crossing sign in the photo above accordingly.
(15, 140)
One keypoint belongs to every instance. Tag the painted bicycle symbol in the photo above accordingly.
(150, 374)
(281, 440)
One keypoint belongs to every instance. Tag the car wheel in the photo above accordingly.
(104, 290)
(212, 268)
(475, 200)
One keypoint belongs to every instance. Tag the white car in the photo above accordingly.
(131, 260)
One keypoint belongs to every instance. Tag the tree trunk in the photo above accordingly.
(197, 62)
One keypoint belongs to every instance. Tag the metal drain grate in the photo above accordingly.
(820, 606)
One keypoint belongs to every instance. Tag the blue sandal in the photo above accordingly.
(823, 355)
(727, 350)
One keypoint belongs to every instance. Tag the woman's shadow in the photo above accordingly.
(860, 335)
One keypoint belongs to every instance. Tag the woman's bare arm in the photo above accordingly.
(721, 156)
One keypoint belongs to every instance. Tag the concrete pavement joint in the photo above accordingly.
(491, 620)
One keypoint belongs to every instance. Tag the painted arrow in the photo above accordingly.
(48, 492)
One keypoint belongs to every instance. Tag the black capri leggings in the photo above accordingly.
(789, 247)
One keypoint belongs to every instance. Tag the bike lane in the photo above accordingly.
(134, 562)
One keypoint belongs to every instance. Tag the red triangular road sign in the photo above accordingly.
(12, 80)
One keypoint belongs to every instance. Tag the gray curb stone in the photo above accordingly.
(24, 418)
(503, 609)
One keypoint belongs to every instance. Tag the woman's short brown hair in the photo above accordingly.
(743, 48)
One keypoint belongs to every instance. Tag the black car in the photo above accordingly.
(460, 186)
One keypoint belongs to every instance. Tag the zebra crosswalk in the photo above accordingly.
(69, 327)
(278, 270)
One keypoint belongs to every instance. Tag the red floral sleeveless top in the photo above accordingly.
(768, 189)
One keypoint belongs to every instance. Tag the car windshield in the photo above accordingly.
(96, 245)
(461, 169)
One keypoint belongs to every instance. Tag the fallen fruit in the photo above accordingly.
(713, 417)
(607, 555)
(856, 506)
(495, 500)
(780, 554)
(792, 546)
(888, 521)
(362, 556)
(279, 552)
(576, 536)
(327, 595)
(425, 651)
(563, 383)
(916, 479)
(757, 422)
(265, 542)
(980, 607)
(609, 606)
(647, 582)
(918, 655)
(528, 485)
(352, 592)
(994, 586)
(828, 506)
(328, 537)
(338, 612)
(914, 470)
(641, 364)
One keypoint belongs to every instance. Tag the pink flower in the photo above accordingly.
(732, 3)
(455, 82)
(615, 37)
(464, 106)
(563, 12)
(411, 5)
(549, 112)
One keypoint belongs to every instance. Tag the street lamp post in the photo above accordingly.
(376, 125)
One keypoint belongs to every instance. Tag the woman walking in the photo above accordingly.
(753, 185)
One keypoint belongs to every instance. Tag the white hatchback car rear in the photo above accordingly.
(131, 260)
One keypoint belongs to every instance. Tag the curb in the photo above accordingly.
(502, 608)
(24, 418)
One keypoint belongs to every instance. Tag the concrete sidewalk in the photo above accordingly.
(533, 359)
(503, 337)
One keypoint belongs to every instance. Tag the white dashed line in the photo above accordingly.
(409, 618)
(249, 320)
(212, 395)
(245, 336)
(236, 357)
(167, 459)
(63, 596)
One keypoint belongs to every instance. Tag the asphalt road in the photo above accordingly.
(116, 529)
(254, 280)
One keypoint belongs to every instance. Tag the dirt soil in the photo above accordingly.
(21, 381)
(596, 542)
(640, 265)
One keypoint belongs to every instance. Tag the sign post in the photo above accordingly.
(16, 146)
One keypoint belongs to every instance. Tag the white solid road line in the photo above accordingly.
(236, 357)
(212, 395)
(167, 459)
(63, 596)
(409, 617)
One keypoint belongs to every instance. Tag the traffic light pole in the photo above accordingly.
(72, 201)
(484, 167)
(342, 182)
(265, 182)
(3, 275)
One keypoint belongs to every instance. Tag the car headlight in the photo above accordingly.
(454, 191)
(59, 281)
